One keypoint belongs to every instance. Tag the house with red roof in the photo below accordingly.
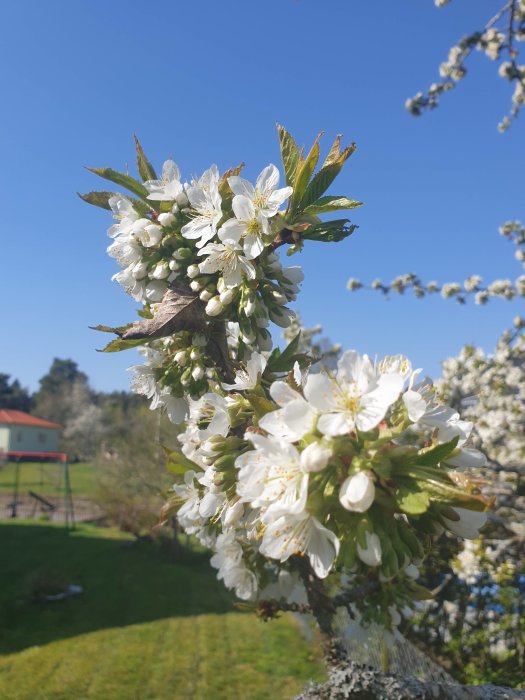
(21, 432)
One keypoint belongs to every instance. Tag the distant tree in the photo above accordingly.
(13, 395)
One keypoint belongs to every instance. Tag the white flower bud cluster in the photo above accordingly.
(229, 263)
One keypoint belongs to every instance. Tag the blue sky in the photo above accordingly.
(205, 82)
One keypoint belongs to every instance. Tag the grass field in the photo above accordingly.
(145, 628)
(46, 479)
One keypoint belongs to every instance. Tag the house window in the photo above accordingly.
(19, 436)
(42, 437)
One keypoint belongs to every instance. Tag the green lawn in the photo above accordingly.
(144, 628)
(47, 478)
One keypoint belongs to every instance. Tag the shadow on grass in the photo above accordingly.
(124, 583)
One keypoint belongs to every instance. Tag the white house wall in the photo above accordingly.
(30, 438)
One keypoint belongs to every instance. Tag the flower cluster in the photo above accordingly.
(288, 475)
(346, 469)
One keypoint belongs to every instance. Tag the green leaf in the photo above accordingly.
(177, 463)
(335, 152)
(101, 199)
(324, 178)
(418, 592)
(284, 361)
(146, 170)
(130, 183)
(326, 205)
(98, 199)
(290, 154)
(435, 455)
(304, 173)
(260, 405)
(329, 231)
(110, 329)
(412, 500)
(119, 344)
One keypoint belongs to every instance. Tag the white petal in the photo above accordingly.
(321, 392)
(239, 185)
(268, 179)
(333, 424)
(323, 548)
(415, 405)
(371, 554)
(253, 246)
(231, 231)
(282, 393)
(243, 208)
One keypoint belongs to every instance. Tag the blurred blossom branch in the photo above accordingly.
(497, 40)
(472, 286)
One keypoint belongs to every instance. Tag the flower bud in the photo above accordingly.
(195, 286)
(197, 372)
(193, 271)
(279, 297)
(175, 209)
(182, 254)
(194, 354)
(174, 265)
(315, 457)
(226, 296)
(182, 200)
(264, 340)
(249, 306)
(160, 271)
(282, 317)
(357, 492)
(151, 235)
(166, 219)
(155, 291)
(371, 554)
(181, 358)
(468, 523)
(214, 307)
(205, 295)
(140, 270)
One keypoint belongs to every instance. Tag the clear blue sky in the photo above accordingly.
(205, 82)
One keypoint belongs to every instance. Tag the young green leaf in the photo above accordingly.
(101, 199)
(411, 499)
(146, 170)
(290, 154)
(436, 454)
(330, 231)
(326, 205)
(177, 463)
(119, 344)
(283, 361)
(305, 171)
(324, 178)
(130, 183)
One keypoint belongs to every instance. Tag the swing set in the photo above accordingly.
(60, 480)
